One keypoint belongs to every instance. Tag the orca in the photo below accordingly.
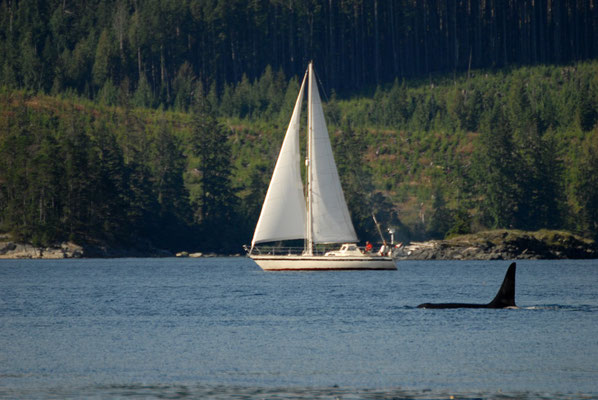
(505, 297)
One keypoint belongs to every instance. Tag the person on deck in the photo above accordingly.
(368, 247)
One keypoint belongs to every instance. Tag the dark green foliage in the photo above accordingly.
(79, 164)
(517, 169)
(167, 164)
(461, 224)
(216, 203)
(442, 218)
(80, 45)
(63, 176)
(448, 155)
(539, 176)
(496, 165)
(586, 186)
(111, 186)
(588, 109)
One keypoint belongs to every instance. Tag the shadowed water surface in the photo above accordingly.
(222, 328)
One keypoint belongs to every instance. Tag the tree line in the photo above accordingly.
(69, 171)
(157, 50)
(502, 150)
(429, 158)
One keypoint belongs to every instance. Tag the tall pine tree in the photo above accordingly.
(216, 203)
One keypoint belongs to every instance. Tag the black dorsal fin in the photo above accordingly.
(506, 294)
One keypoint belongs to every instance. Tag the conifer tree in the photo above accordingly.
(495, 167)
(586, 186)
(78, 157)
(216, 204)
(110, 209)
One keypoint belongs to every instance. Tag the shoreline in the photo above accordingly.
(488, 245)
(504, 244)
(12, 250)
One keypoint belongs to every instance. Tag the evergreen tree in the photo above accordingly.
(31, 65)
(110, 206)
(183, 87)
(251, 204)
(586, 186)
(216, 205)
(168, 164)
(587, 114)
(398, 112)
(442, 218)
(15, 140)
(539, 177)
(495, 171)
(106, 56)
(46, 182)
(143, 210)
(143, 96)
(78, 158)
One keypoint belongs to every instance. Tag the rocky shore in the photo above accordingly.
(13, 250)
(504, 245)
(18, 250)
(489, 245)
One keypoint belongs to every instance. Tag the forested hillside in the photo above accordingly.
(158, 49)
(156, 122)
(489, 150)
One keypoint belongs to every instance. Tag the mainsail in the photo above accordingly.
(283, 215)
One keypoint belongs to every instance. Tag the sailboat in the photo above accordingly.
(318, 216)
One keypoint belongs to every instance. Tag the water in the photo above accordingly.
(222, 328)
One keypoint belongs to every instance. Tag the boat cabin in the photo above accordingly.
(347, 249)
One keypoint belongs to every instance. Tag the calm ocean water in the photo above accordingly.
(221, 328)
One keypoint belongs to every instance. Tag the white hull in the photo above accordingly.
(321, 263)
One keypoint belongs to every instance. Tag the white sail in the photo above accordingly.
(326, 219)
(331, 222)
(283, 215)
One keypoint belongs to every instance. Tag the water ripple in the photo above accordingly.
(225, 392)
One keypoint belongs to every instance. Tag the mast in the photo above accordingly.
(310, 245)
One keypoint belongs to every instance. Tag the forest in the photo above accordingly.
(160, 48)
(159, 122)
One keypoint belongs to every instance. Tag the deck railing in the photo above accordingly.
(318, 250)
(280, 250)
